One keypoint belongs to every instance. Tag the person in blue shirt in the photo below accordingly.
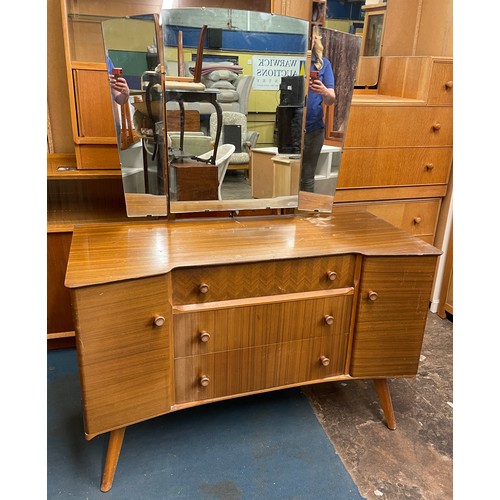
(321, 91)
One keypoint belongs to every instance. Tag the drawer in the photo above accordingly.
(394, 298)
(225, 282)
(416, 217)
(269, 322)
(394, 167)
(390, 126)
(441, 84)
(247, 370)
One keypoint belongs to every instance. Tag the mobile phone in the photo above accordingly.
(314, 75)
(116, 72)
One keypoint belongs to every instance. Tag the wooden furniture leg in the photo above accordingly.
(112, 456)
(384, 394)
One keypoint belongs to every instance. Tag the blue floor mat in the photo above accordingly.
(269, 446)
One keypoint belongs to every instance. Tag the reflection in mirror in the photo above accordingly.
(131, 49)
(254, 67)
(252, 64)
(341, 50)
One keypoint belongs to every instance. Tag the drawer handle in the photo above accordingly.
(203, 288)
(204, 336)
(417, 220)
(329, 319)
(436, 126)
(324, 360)
(429, 166)
(158, 320)
(372, 295)
(449, 85)
(332, 275)
(204, 381)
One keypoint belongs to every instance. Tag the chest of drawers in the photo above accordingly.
(173, 315)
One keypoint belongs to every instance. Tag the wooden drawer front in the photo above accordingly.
(387, 126)
(389, 330)
(416, 217)
(261, 279)
(394, 167)
(229, 328)
(97, 156)
(247, 370)
(441, 84)
(123, 356)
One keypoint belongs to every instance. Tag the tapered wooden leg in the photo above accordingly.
(112, 456)
(384, 394)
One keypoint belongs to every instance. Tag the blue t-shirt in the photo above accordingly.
(314, 116)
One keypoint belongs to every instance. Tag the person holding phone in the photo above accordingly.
(321, 91)
(119, 86)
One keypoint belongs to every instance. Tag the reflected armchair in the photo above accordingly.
(240, 159)
(224, 153)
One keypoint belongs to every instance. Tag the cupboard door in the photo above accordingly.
(124, 357)
(394, 301)
(93, 101)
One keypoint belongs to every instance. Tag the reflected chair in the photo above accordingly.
(244, 140)
(222, 160)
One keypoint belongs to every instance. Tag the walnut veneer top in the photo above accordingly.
(119, 251)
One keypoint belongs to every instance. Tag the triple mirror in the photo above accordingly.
(232, 139)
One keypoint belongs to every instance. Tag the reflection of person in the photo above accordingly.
(119, 86)
(320, 92)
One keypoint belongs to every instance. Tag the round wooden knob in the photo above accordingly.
(203, 288)
(372, 295)
(417, 220)
(449, 84)
(329, 319)
(158, 320)
(204, 381)
(429, 166)
(436, 126)
(332, 275)
(324, 360)
(204, 336)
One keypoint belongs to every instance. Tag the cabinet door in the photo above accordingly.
(124, 357)
(301, 9)
(93, 101)
(393, 305)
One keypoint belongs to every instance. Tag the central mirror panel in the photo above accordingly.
(246, 59)
(216, 112)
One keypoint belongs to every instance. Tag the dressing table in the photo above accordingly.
(179, 314)
(172, 314)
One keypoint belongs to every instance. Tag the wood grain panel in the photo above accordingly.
(389, 331)
(392, 126)
(262, 278)
(247, 370)
(232, 328)
(124, 359)
(97, 156)
(394, 167)
(103, 253)
(439, 92)
(59, 316)
(93, 101)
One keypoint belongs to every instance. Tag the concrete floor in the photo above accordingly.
(415, 460)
